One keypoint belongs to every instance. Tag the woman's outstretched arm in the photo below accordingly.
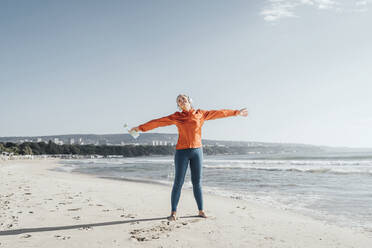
(215, 114)
(160, 122)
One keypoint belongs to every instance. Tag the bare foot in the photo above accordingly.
(202, 214)
(172, 218)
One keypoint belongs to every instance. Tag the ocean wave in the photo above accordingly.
(291, 162)
(64, 169)
(334, 170)
(214, 162)
(125, 161)
(139, 180)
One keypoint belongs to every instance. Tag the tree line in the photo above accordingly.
(50, 148)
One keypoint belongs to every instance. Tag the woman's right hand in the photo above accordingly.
(134, 129)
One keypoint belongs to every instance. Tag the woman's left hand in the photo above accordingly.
(243, 112)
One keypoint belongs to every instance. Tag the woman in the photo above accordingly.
(189, 147)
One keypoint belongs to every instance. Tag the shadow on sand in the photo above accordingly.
(56, 228)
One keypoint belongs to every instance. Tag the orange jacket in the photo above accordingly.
(189, 124)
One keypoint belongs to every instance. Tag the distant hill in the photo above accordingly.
(156, 139)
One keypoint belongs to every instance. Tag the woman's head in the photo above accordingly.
(184, 102)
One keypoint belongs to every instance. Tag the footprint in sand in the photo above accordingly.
(157, 231)
(194, 221)
(243, 208)
(86, 228)
(269, 238)
(73, 209)
(128, 216)
(62, 237)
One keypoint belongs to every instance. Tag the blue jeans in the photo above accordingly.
(181, 161)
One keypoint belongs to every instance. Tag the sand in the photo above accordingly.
(44, 208)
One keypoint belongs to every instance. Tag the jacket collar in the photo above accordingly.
(186, 112)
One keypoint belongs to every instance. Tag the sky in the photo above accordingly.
(302, 68)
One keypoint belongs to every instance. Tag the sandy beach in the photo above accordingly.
(44, 208)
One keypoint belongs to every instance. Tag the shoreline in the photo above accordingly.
(82, 210)
(317, 214)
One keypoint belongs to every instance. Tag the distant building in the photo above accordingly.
(39, 140)
(160, 143)
(72, 141)
(57, 141)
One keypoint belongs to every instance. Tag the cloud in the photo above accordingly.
(326, 4)
(361, 3)
(280, 9)
(275, 10)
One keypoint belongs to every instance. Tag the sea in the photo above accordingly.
(333, 187)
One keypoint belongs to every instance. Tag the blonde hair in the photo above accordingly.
(188, 99)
